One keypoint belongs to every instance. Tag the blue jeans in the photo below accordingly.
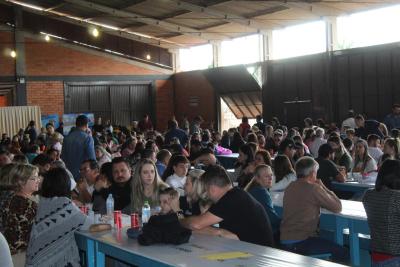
(316, 245)
(394, 262)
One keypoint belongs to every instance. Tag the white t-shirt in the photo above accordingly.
(314, 146)
(282, 184)
(177, 183)
(349, 122)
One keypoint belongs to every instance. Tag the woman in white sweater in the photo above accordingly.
(284, 173)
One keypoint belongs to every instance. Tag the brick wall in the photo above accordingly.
(193, 85)
(48, 95)
(164, 103)
(52, 59)
(7, 63)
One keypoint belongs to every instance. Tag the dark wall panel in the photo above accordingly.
(326, 86)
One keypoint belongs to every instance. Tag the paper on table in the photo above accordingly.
(226, 256)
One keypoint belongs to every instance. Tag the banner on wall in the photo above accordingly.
(52, 118)
(69, 120)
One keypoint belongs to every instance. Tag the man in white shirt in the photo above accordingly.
(374, 147)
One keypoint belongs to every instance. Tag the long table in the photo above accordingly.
(202, 250)
(352, 219)
(354, 187)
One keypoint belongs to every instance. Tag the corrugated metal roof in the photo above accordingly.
(199, 21)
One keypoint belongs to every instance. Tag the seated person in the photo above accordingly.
(374, 147)
(163, 157)
(205, 157)
(382, 207)
(258, 188)
(19, 211)
(145, 186)
(328, 171)
(52, 241)
(120, 187)
(233, 209)
(302, 202)
(168, 197)
(194, 193)
(284, 173)
(43, 162)
(363, 162)
(89, 172)
(175, 174)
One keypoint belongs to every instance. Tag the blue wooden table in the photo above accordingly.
(354, 187)
(352, 220)
(202, 250)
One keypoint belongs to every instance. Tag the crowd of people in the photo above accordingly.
(45, 177)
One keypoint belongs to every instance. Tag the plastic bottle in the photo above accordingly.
(110, 205)
(146, 212)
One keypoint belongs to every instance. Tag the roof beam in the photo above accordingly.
(228, 17)
(172, 27)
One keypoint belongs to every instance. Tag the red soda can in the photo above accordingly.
(134, 220)
(118, 219)
(84, 210)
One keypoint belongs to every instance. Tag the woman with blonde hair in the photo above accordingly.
(146, 185)
(258, 188)
(19, 210)
(194, 193)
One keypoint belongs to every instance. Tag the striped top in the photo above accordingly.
(383, 212)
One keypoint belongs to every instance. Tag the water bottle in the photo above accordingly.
(110, 205)
(146, 212)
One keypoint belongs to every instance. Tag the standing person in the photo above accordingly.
(32, 132)
(302, 203)
(174, 131)
(234, 209)
(244, 127)
(367, 127)
(260, 124)
(195, 126)
(145, 125)
(383, 213)
(392, 120)
(78, 146)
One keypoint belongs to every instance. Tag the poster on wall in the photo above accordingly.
(52, 118)
(69, 121)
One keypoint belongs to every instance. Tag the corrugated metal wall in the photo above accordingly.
(297, 88)
(327, 86)
(119, 102)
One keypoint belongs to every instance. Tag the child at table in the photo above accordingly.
(169, 201)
